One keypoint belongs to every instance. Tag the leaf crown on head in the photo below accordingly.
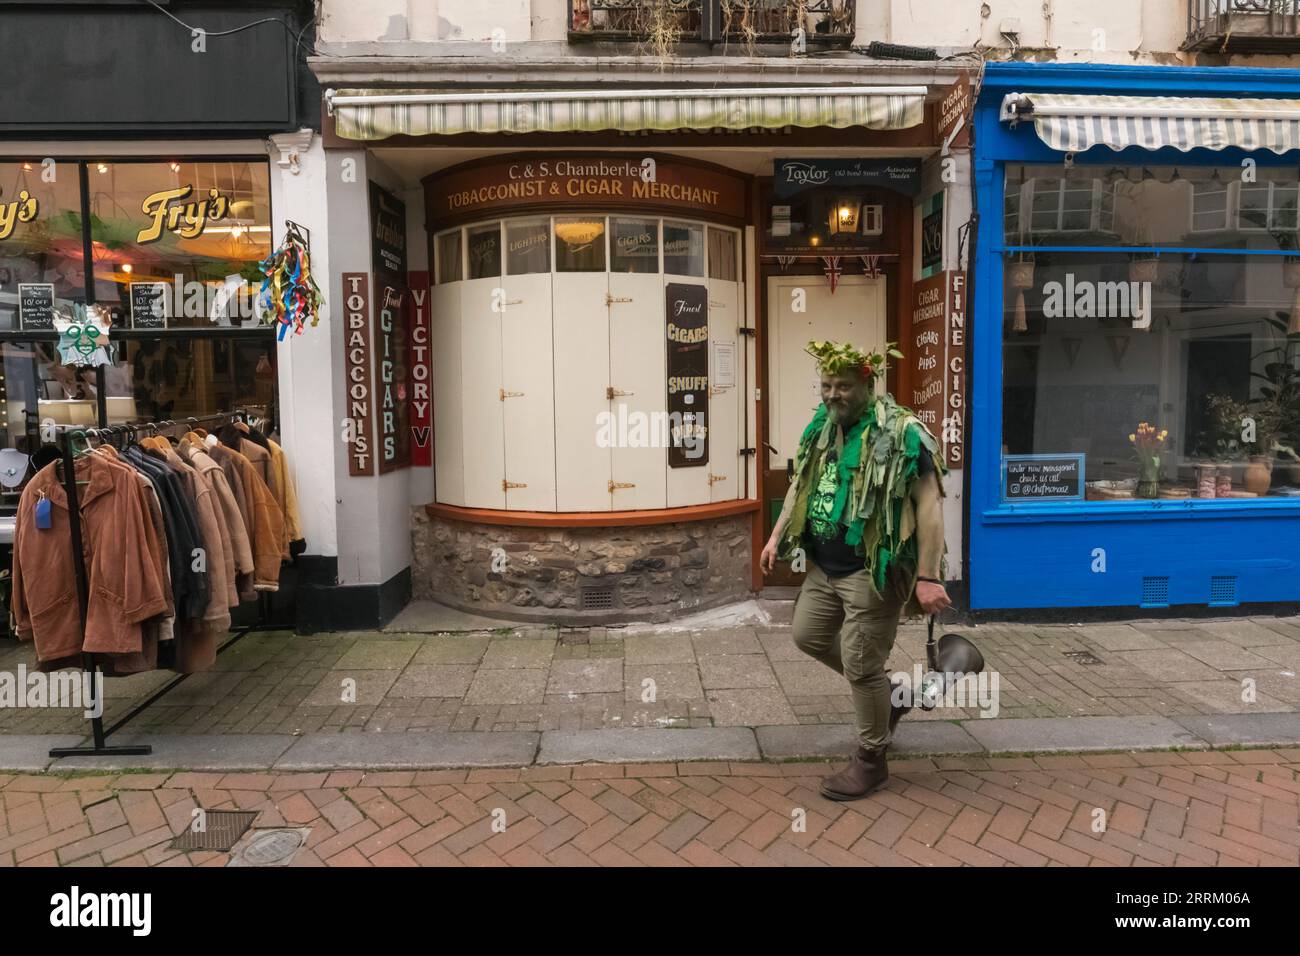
(840, 358)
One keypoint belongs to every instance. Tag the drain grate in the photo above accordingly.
(221, 830)
(1082, 657)
(597, 599)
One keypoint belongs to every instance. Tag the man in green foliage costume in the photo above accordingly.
(865, 507)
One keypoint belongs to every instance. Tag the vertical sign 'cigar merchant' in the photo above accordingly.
(356, 365)
(688, 374)
(392, 300)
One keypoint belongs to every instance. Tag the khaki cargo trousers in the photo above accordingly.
(844, 623)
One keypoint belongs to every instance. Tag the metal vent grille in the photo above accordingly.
(598, 599)
(221, 830)
(1155, 592)
(1223, 591)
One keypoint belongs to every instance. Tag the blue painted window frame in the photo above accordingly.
(996, 145)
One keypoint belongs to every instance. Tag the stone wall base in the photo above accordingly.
(581, 575)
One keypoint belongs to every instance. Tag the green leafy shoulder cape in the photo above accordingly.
(877, 464)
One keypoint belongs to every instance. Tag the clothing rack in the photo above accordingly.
(100, 734)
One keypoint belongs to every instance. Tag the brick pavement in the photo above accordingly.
(1223, 808)
(536, 679)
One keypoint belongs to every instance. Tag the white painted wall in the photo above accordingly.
(404, 21)
(1110, 31)
(306, 361)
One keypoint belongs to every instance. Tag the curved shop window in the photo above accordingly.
(174, 248)
(587, 362)
(1135, 365)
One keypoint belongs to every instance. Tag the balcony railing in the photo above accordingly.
(1243, 26)
(665, 23)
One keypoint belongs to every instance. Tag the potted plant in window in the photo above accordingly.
(1280, 384)
(1225, 418)
(1263, 418)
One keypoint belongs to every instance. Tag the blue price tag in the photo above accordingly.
(43, 522)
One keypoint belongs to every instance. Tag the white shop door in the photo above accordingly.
(448, 401)
(855, 313)
(528, 384)
(581, 322)
(483, 448)
(637, 370)
(725, 349)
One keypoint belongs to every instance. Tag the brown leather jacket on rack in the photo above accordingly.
(123, 582)
(263, 514)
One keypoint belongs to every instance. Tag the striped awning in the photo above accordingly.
(1074, 123)
(378, 114)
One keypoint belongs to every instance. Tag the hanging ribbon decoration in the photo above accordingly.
(289, 294)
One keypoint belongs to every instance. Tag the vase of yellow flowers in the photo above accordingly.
(1148, 442)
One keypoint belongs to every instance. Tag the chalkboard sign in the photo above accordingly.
(1042, 477)
(149, 305)
(36, 305)
(688, 374)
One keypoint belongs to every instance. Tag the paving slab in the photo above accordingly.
(31, 752)
(751, 707)
(647, 746)
(1050, 734)
(188, 752)
(452, 649)
(1226, 730)
(430, 617)
(433, 680)
(413, 750)
(658, 649)
(671, 681)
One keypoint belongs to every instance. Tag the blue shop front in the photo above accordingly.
(1135, 389)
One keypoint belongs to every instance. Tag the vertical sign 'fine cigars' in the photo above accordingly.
(357, 361)
(688, 374)
(392, 301)
(420, 409)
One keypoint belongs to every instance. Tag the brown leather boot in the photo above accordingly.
(867, 771)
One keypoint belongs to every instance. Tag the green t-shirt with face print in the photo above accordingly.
(823, 539)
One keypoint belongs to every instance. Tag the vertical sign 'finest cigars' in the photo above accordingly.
(358, 373)
(688, 374)
(391, 341)
(420, 409)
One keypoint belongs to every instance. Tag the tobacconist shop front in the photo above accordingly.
(617, 325)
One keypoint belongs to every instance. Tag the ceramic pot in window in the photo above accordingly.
(1020, 276)
(1259, 474)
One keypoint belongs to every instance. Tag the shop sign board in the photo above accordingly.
(36, 305)
(149, 305)
(938, 359)
(793, 176)
(932, 235)
(1042, 477)
(954, 114)
(358, 374)
(953, 433)
(609, 181)
(419, 371)
(390, 337)
(687, 307)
